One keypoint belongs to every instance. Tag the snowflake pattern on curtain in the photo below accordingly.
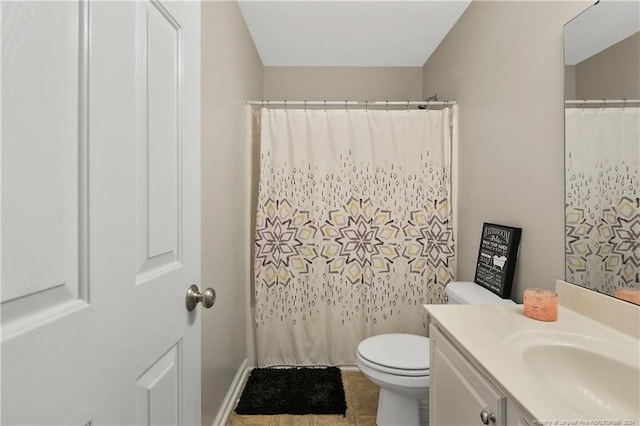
(603, 248)
(428, 245)
(602, 222)
(285, 242)
(360, 240)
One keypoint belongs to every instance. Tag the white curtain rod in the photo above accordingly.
(349, 103)
(602, 101)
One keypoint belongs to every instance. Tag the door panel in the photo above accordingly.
(160, 144)
(43, 250)
(100, 212)
(159, 390)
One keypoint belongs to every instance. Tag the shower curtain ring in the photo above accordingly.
(345, 106)
(407, 106)
(366, 106)
(285, 104)
(325, 106)
(387, 107)
(305, 106)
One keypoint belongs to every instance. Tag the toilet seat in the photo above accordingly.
(398, 354)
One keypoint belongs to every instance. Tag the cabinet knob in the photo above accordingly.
(487, 417)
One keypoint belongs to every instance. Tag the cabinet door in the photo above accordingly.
(517, 415)
(458, 392)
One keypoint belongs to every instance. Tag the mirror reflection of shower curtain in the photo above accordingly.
(602, 187)
(353, 230)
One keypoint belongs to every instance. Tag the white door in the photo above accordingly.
(100, 212)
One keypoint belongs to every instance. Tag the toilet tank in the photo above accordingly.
(469, 293)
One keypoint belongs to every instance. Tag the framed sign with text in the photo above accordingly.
(497, 258)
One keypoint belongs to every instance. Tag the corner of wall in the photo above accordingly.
(232, 73)
(502, 62)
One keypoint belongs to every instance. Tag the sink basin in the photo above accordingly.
(598, 379)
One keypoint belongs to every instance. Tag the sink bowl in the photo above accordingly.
(596, 378)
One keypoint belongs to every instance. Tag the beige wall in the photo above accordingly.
(570, 82)
(231, 74)
(613, 73)
(343, 83)
(503, 63)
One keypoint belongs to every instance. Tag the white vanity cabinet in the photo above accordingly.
(486, 359)
(460, 395)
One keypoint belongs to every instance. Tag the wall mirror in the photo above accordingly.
(602, 149)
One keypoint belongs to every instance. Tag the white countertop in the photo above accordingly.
(485, 334)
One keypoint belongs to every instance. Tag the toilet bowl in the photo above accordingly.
(399, 364)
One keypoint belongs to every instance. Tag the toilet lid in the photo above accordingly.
(396, 351)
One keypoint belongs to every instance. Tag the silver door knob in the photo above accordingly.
(486, 417)
(207, 297)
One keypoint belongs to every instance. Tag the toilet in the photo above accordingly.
(399, 363)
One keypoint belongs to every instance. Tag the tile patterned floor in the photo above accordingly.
(362, 405)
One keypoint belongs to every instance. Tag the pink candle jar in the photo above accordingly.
(541, 304)
(629, 294)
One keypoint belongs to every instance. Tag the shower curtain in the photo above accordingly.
(353, 230)
(602, 197)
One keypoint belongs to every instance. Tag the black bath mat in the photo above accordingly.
(293, 391)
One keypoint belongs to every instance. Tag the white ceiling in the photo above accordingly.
(349, 32)
(599, 27)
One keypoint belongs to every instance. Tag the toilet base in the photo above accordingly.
(396, 409)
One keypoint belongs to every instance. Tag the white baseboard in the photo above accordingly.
(349, 368)
(233, 394)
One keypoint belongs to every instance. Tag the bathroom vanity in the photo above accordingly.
(492, 365)
(461, 393)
